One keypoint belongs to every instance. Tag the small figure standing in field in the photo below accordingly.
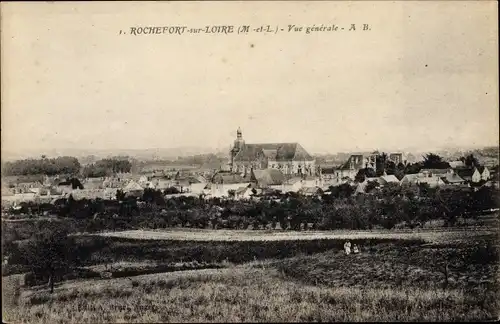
(347, 247)
(355, 249)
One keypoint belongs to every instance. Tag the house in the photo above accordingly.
(69, 185)
(110, 193)
(409, 179)
(26, 196)
(452, 179)
(361, 187)
(243, 192)
(267, 177)
(385, 179)
(290, 185)
(432, 181)
(355, 163)
(184, 182)
(474, 175)
(464, 173)
(434, 172)
(116, 183)
(311, 181)
(142, 179)
(94, 183)
(327, 173)
(133, 188)
(222, 190)
(221, 182)
(126, 176)
(201, 178)
(27, 187)
(310, 191)
(158, 183)
(344, 173)
(396, 157)
(481, 173)
(223, 177)
(493, 183)
(457, 164)
(289, 158)
(88, 194)
(6, 190)
(198, 188)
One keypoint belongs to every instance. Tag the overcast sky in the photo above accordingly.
(425, 76)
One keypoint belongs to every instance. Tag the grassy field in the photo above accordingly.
(446, 277)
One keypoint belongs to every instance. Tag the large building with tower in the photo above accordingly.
(289, 158)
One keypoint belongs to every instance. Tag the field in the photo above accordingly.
(258, 276)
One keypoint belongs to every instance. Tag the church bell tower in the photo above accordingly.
(237, 147)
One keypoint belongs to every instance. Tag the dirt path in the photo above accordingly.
(240, 235)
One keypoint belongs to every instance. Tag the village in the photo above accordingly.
(253, 170)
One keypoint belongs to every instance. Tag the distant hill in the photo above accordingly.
(200, 161)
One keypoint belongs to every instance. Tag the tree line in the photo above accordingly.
(66, 165)
(107, 167)
(47, 166)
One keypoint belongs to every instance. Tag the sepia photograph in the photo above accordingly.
(250, 161)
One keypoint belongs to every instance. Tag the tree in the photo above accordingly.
(470, 161)
(344, 190)
(381, 163)
(390, 168)
(371, 185)
(171, 191)
(120, 195)
(360, 176)
(51, 254)
(412, 168)
(364, 173)
(434, 161)
(399, 172)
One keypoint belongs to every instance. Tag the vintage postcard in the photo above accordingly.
(249, 161)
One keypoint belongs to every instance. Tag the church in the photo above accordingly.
(289, 158)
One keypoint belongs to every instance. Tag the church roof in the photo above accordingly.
(273, 151)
